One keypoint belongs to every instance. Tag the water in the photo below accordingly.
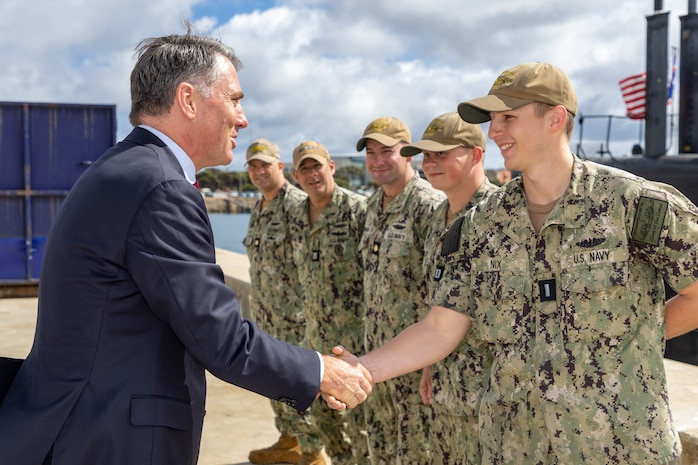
(229, 229)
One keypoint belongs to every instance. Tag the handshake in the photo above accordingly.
(346, 382)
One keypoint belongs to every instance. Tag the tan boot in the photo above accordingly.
(285, 450)
(313, 458)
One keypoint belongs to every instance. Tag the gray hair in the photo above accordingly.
(165, 62)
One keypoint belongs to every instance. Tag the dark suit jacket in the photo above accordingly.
(8, 370)
(132, 310)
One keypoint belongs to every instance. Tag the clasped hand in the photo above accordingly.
(346, 382)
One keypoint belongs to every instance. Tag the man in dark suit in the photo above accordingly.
(132, 306)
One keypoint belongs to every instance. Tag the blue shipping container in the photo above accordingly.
(44, 148)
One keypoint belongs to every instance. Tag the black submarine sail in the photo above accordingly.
(681, 169)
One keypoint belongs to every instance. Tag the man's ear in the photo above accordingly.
(558, 118)
(477, 154)
(185, 99)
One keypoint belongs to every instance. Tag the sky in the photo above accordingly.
(324, 69)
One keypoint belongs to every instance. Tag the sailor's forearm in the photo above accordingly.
(419, 345)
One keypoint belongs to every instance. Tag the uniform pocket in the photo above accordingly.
(277, 243)
(596, 301)
(398, 240)
(500, 303)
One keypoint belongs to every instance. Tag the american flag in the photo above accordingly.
(633, 90)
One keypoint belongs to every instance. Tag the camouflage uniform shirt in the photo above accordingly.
(457, 380)
(574, 316)
(275, 293)
(392, 248)
(329, 267)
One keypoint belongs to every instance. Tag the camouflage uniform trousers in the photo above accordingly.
(454, 439)
(396, 416)
(341, 432)
(287, 419)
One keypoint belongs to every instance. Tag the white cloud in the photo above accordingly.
(324, 69)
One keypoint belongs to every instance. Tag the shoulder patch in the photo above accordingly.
(649, 220)
(451, 239)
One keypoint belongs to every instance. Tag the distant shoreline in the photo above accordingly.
(229, 204)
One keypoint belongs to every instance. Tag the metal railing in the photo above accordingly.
(604, 147)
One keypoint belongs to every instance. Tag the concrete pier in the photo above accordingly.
(238, 421)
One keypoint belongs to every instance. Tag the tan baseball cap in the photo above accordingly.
(264, 150)
(519, 86)
(444, 133)
(310, 149)
(386, 130)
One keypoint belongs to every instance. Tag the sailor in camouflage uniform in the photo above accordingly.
(561, 272)
(453, 157)
(326, 229)
(398, 216)
(275, 298)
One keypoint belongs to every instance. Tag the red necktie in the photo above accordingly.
(196, 183)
